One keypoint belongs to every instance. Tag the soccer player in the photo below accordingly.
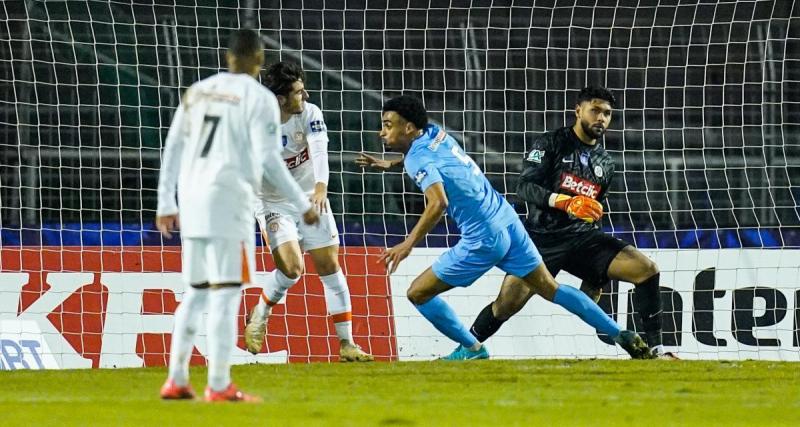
(305, 151)
(222, 141)
(565, 178)
(491, 233)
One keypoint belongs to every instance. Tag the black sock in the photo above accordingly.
(485, 324)
(647, 298)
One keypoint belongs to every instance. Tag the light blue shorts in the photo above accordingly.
(511, 251)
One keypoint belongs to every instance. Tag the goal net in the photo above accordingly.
(705, 141)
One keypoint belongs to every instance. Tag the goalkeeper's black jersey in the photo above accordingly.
(559, 162)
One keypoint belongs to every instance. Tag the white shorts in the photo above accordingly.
(216, 260)
(282, 227)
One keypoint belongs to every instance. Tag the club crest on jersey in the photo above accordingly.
(274, 226)
(421, 174)
(317, 126)
(535, 156)
(298, 137)
(598, 171)
(271, 128)
(579, 186)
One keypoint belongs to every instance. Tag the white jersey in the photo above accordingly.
(305, 151)
(221, 139)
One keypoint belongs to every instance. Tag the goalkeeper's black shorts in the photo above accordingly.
(585, 255)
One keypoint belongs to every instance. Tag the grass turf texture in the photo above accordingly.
(493, 393)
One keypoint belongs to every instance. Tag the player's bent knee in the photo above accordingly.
(647, 270)
(326, 268)
(293, 271)
(416, 296)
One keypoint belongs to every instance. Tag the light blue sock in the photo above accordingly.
(581, 305)
(445, 320)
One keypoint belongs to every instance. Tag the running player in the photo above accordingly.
(305, 151)
(491, 233)
(223, 139)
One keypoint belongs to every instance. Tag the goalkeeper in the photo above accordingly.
(565, 177)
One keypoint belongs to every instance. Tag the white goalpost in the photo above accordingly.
(705, 140)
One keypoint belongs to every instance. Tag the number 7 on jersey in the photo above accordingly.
(214, 120)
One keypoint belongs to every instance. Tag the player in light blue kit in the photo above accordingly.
(491, 232)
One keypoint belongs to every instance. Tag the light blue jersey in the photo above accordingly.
(491, 232)
(476, 207)
(491, 236)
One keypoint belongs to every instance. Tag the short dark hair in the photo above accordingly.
(596, 92)
(244, 42)
(281, 76)
(409, 108)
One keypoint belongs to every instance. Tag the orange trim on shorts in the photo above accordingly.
(245, 266)
(342, 317)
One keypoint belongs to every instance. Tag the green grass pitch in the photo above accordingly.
(478, 393)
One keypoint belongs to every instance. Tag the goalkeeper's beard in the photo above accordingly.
(593, 131)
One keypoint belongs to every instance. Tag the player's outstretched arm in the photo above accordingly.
(366, 161)
(435, 207)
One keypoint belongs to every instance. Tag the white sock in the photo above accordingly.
(344, 330)
(222, 310)
(262, 308)
(274, 289)
(187, 321)
(337, 298)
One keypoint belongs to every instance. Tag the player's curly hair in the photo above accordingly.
(596, 92)
(409, 108)
(244, 42)
(281, 76)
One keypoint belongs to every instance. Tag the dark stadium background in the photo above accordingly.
(705, 134)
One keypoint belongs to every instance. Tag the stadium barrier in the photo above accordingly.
(112, 307)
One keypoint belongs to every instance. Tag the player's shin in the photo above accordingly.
(486, 324)
(647, 298)
(223, 308)
(581, 305)
(187, 322)
(442, 316)
(337, 299)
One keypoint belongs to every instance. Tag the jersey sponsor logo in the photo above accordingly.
(420, 175)
(598, 171)
(579, 186)
(535, 156)
(271, 216)
(437, 140)
(293, 162)
(317, 126)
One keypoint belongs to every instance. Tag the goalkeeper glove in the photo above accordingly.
(582, 207)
